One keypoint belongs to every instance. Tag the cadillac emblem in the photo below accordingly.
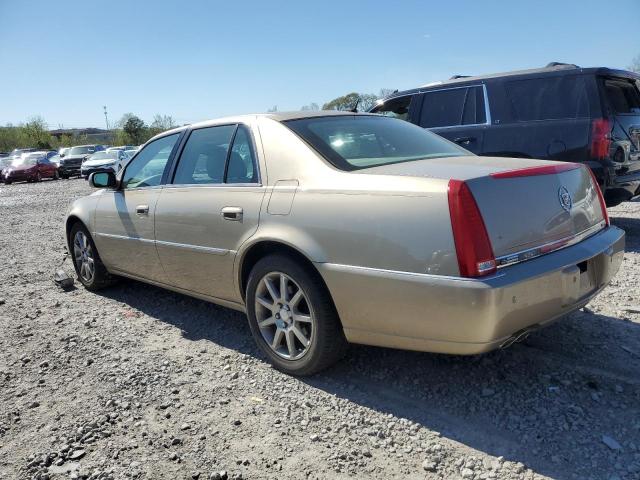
(565, 198)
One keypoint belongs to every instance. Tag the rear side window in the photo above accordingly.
(453, 107)
(395, 107)
(204, 156)
(549, 98)
(623, 96)
(221, 154)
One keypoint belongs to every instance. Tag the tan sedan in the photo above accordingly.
(328, 228)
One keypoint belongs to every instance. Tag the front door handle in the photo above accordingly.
(233, 214)
(142, 210)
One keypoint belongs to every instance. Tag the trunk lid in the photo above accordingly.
(524, 213)
(529, 215)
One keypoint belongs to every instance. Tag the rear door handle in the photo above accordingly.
(464, 140)
(142, 210)
(233, 214)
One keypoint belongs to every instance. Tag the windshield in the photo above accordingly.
(355, 142)
(81, 150)
(104, 155)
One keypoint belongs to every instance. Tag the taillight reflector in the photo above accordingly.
(533, 171)
(473, 248)
(600, 141)
(603, 205)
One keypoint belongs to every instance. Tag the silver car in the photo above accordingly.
(328, 228)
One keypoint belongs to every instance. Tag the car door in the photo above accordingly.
(458, 114)
(124, 229)
(209, 209)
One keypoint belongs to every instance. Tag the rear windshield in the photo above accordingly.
(550, 98)
(355, 142)
(623, 96)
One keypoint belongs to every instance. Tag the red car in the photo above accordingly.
(31, 167)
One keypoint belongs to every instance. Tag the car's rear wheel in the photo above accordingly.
(38, 177)
(292, 317)
(56, 175)
(86, 261)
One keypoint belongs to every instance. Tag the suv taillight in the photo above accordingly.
(600, 138)
(603, 205)
(473, 248)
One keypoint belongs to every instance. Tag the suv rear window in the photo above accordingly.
(453, 107)
(623, 96)
(549, 98)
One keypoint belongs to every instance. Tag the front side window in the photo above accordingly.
(550, 98)
(204, 156)
(147, 168)
(395, 107)
(363, 141)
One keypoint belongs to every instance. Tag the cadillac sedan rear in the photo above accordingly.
(328, 228)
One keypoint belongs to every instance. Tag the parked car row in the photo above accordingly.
(560, 112)
(31, 165)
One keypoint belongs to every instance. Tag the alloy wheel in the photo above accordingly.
(83, 255)
(284, 315)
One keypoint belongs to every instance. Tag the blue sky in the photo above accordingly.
(194, 59)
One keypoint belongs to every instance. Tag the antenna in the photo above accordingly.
(354, 109)
(106, 119)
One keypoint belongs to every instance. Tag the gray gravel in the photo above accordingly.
(137, 382)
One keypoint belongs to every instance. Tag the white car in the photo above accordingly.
(104, 160)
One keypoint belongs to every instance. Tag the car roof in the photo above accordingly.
(558, 69)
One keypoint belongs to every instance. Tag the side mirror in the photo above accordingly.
(102, 180)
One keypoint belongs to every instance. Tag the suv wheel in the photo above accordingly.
(292, 317)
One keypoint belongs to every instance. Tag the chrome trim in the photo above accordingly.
(186, 246)
(199, 248)
(212, 185)
(382, 271)
(123, 237)
(534, 252)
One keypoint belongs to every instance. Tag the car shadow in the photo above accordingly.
(631, 226)
(545, 402)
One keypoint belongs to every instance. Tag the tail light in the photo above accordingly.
(600, 141)
(473, 248)
(603, 205)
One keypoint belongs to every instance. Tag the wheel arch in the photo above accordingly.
(264, 247)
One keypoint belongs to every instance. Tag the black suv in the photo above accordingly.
(72, 161)
(560, 112)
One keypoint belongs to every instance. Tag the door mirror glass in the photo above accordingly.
(102, 180)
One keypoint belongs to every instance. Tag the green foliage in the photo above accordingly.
(135, 128)
(363, 101)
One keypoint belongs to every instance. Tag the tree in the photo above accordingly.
(346, 102)
(635, 65)
(367, 100)
(135, 128)
(385, 92)
(163, 122)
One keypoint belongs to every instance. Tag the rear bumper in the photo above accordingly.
(468, 316)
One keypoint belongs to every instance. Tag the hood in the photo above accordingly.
(76, 157)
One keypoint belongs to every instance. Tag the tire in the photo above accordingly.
(38, 177)
(56, 175)
(64, 175)
(7, 182)
(80, 251)
(310, 315)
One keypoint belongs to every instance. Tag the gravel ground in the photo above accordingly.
(138, 382)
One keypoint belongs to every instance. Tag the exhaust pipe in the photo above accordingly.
(519, 336)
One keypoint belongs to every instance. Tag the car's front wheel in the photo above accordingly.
(292, 317)
(91, 271)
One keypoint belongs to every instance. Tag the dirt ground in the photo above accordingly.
(137, 382)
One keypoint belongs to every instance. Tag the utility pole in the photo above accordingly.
(106, 119)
